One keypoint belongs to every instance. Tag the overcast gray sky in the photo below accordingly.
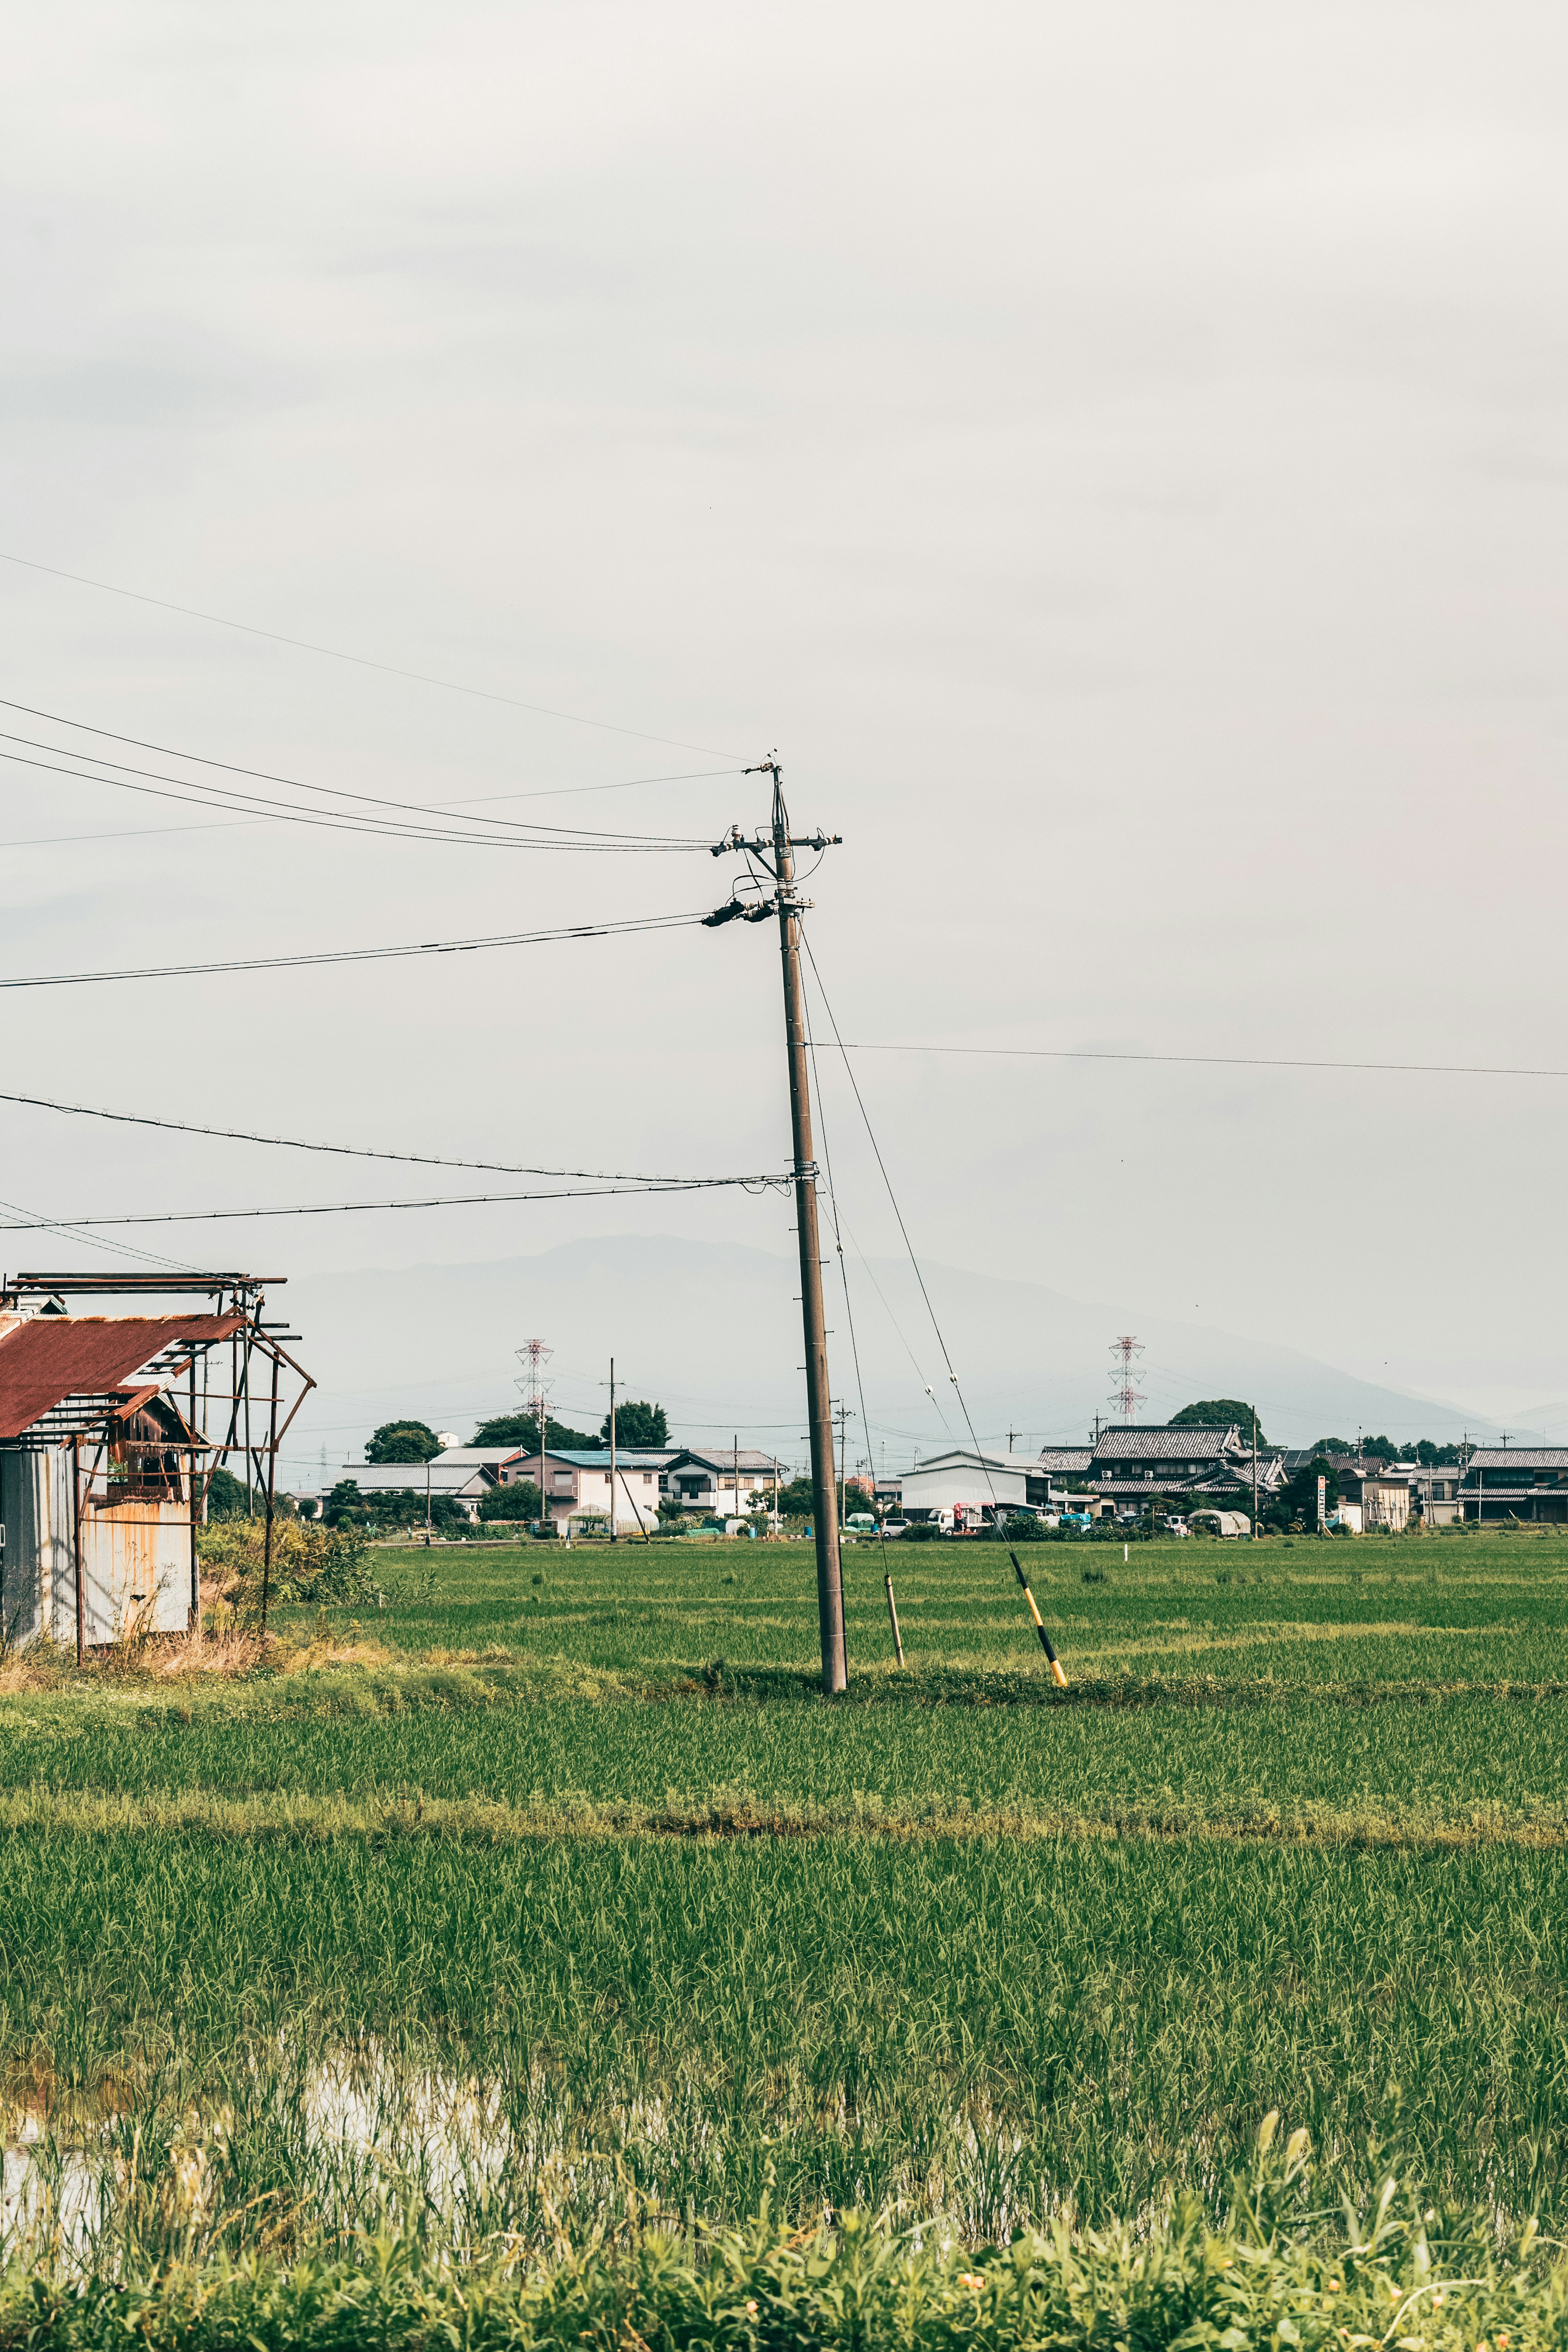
(1117, 454)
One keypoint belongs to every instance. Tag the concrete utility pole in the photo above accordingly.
(843, 1414)
(818, 1399)
(612, 1535)
(774, 851)
(1254, 1473)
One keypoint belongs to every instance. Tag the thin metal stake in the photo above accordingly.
(271, 1484)
(893, 1613)
(76, 1541)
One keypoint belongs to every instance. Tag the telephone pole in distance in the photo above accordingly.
(774, 852)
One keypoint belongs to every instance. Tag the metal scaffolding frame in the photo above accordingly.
(90, 1416)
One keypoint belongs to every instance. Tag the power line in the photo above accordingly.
(341, 1151)
(335, 821)
(266, 776)
(635, 924)
(358, 661)
(429, 822)
(1218, 1061)
(230, 825)
(115, 1249)
(436, 1201)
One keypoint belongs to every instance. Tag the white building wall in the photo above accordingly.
(960, 1482)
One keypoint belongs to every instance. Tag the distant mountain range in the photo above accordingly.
(712, 1330)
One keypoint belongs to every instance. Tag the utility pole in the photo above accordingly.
(775, 852)
(843, 1414)
(1254, 1473)
(612, 1534)
(428, 1505)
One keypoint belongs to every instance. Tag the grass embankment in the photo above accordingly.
(548, 1908)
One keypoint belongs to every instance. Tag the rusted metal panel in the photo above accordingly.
(37, 1568)
(45, 1360)
(135, 1570)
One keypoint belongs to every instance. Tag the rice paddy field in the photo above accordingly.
(558, 1908)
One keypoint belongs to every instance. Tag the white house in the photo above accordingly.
(578, 1482)
(726, 1482)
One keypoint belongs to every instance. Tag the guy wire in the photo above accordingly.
(854, 1344)
(1045, 1641)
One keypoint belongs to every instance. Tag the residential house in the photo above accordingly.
(1379, 1490)
(462, 1474)
(1516, 1482)
(1130, 1465)
(1435, 1492)
(1064, 1462)
(576, 1483)
(722, 1482)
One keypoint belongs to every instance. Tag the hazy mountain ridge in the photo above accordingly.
(712, 1330)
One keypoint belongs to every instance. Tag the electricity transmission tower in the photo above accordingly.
(1126, 1391)
(773, 850)
(533, 1357)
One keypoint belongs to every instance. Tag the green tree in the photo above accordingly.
(518, 1501)
(1332, 1445)
(402, 1441)
(1298, 1499)
(1379, 1449)
(637, 1424)
(795, 1499)
(345, 1503)
(226, 1497)
(523, 1429)
(1437, 1457)
(1219, 1413)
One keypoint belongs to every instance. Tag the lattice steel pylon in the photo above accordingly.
(536, 1396)
(1125, 1392)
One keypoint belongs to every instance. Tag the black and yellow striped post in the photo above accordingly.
(1052, 1661)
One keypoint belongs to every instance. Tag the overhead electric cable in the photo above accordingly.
(632, 925)
(366, 828)
(294, 783)
(340, 1150)
(413, 820)
(37, 1224)
(435, 1201)
(1218, 1061)
(358, 661)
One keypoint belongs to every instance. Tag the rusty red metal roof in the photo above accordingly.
(45, 1360)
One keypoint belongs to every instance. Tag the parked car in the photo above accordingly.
(862, 1522)
(1175, 1527)
(1076, 1519)
(894, 1526)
